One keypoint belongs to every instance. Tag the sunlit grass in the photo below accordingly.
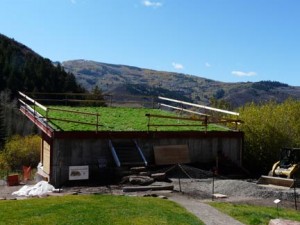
(250, 214)
(95, 209)
(122, 119)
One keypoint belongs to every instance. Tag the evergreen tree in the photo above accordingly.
(21, 69)
(96, 97)
(2, 127)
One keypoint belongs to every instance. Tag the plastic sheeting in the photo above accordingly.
(41, 188)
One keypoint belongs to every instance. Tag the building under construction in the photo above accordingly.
(196, 134)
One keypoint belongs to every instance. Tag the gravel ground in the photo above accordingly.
(201, 189)
(238, 191)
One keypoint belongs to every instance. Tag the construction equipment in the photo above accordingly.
(285, 171)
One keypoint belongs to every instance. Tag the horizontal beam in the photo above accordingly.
(73, 121)
(199, 106)
(173, 117)
(33, 101)
(73, 111)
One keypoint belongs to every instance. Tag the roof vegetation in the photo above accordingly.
(69, 118)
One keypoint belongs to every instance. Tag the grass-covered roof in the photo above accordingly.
(122, 119)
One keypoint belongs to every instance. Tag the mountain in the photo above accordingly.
(122, 80)
(23, 69)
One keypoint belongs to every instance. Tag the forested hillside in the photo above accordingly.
(24, 70)
(21, 69)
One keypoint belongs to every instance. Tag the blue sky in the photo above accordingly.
(224, 40)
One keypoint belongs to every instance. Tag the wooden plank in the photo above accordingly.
(199, 106)
(217, 195)
(46, 157)
(174, 117)
(147, 188)
(73, 121)
(171, 154)
(73, 111)
(33, 101)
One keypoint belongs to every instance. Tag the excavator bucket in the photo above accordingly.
(276, 181)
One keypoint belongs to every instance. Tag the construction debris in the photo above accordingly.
(140, 180)
(148, 188)
(159, 176)
(39, 189)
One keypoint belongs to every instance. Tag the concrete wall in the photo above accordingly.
(77, 152)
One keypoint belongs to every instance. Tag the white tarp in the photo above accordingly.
(41, 188)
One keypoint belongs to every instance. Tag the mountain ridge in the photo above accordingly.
(123, 79)
(22, 69)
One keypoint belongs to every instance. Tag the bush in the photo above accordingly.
(21, 151)
(3, 164)
(268, 128)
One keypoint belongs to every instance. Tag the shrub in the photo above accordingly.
(21, 151)
(268, 128)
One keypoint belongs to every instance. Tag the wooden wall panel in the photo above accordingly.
(171, 154)
(46, 157)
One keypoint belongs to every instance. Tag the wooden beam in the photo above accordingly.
(148, 188)
(33, 101)
(200, 106)
(174, 117)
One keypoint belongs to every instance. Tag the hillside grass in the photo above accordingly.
(95, 209)
(122, 119)
(258, 215)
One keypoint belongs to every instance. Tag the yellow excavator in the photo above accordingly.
(285, 171)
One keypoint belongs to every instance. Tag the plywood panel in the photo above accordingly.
(46, 157)
(171, 154)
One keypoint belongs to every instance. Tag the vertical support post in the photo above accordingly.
(34, 109)
(97, 118)
(148, 125)
(206, 122)
(181, 109)
(295, 193)
(47, 114)
(213, 186)
(152, 102)
(179, 182)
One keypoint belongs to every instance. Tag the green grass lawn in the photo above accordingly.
(255, 215)
(122, 119)
(95, 209)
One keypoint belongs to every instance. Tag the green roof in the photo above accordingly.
(122, 119)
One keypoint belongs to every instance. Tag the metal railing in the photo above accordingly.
(114, 153)
(84, 99)
(140, 152)
(47, 118)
